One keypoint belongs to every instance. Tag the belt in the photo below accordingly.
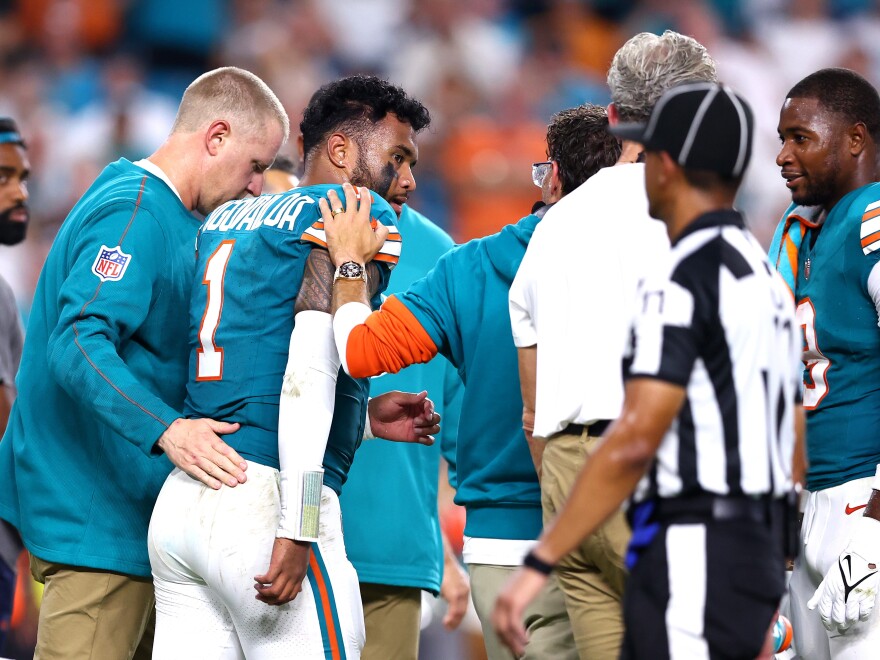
(719, 508)
(595, 429)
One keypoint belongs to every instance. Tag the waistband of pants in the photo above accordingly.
(595, 429)
(761, 509)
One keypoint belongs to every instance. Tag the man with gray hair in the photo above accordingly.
(97, 425)
(573, 297)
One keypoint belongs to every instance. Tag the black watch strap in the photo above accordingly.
(531, 561)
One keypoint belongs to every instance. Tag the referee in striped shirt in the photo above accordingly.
(705, 439)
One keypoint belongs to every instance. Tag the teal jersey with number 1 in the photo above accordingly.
(251, 260)
(838, 318)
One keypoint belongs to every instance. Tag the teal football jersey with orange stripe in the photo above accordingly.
(838, 320)
(251, 259)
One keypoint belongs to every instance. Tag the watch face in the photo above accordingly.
(351, 270)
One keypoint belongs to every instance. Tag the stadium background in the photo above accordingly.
(92, 80)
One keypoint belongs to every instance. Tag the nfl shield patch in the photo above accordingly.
(111, 263)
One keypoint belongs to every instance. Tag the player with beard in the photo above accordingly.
(14, 170)
(214, 552)
(828, 249)
(396, 563)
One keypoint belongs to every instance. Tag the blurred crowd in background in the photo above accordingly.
(92, 80)
(89, 81)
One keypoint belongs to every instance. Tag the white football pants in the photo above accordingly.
(207, 545)
(825, 533)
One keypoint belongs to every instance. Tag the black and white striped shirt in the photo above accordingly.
(719, 321)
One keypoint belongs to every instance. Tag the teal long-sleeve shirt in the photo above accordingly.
(461, 306)
(102, 375)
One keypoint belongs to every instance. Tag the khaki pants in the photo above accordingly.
(392, 616)
(87, 614)
(546, 620)
(591, 577)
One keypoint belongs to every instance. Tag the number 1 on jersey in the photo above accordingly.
(815, 382)
(209, 358)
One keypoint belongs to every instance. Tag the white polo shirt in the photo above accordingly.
(575, 291)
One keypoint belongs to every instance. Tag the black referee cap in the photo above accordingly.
(703, 126)
(9, 132)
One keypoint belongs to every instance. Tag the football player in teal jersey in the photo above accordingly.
(396, 562)
(828, 245)
(250, 316)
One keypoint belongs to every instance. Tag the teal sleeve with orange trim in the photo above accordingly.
(432, 301)
(410, 328)
(389, 340)
(102, 304)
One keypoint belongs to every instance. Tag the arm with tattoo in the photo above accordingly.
(305, 414)
(317, 284)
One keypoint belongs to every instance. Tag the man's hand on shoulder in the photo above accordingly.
(349, 230)
(404, 417)
(287, 570)
(194, 445)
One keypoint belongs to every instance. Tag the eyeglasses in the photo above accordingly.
(539, 172)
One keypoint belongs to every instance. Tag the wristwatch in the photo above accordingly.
(351, 270)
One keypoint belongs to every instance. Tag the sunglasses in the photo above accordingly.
(539, 172)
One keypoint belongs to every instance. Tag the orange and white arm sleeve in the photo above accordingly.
(371, 343)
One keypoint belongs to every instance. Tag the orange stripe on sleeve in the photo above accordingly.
(871, 214)
(791, 251)
(317, 241)
(870, 238)
(390, 339)
(393, 234)
(387, 258)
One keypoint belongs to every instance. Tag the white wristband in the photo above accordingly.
(300, 505)
(345, 320)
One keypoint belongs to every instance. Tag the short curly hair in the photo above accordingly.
(579, 141)
(647, 65)
(350, 104)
